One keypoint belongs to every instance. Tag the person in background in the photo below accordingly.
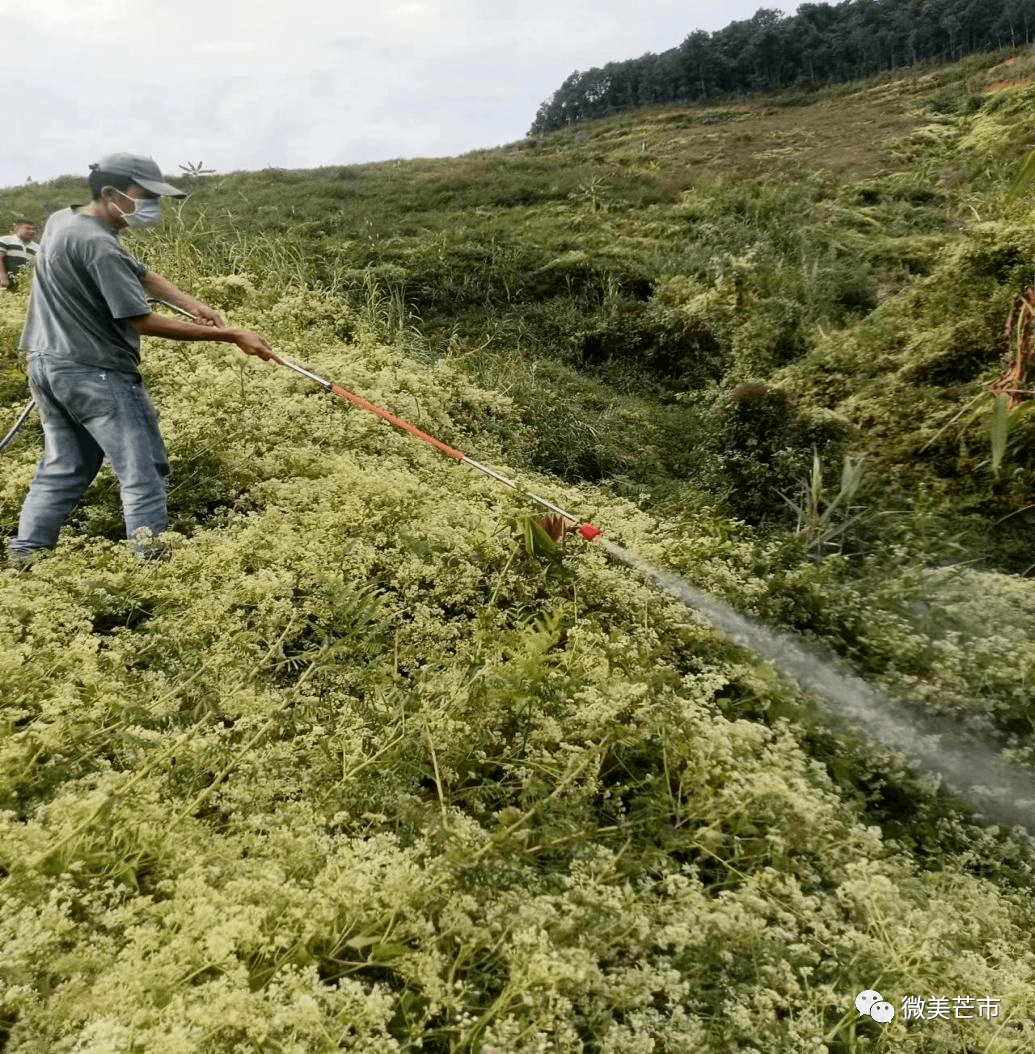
(17, 250)
(87, 312)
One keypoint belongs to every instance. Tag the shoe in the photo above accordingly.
(152, 554)
(20, 559)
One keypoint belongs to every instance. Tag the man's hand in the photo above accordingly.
(207, 317)
(155, 325)
(162, 289)
(252, 344)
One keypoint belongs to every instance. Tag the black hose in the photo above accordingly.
(22, 418)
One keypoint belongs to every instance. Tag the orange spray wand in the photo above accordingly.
(586, 530)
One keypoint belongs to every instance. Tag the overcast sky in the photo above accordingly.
(239, 84)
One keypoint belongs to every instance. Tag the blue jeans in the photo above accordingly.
(89, 414)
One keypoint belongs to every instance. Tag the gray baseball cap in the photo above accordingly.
(142, 170)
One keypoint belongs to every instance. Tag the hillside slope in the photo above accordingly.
(367, 766)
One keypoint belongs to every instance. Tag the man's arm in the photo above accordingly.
(5, 280)
(162, 289)
(155, 325)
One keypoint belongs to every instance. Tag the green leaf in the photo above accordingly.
(1023, 180)
(999, 431)
(536, 541)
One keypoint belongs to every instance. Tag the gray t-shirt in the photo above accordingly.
(87, 287)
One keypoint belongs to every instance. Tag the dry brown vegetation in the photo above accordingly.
(844, 136)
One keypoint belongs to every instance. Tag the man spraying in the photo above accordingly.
(87, 311)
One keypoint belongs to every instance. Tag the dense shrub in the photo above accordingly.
(653, 339)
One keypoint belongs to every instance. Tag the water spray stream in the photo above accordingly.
(998, 791)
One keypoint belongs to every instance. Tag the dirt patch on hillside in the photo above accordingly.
(846, 136)
(1000, 85)
(1014, 73)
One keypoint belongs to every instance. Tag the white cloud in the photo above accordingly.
(304, 83)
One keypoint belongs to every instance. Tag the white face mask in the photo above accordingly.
(146, 212)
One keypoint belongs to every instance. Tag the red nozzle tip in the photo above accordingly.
(588, 531)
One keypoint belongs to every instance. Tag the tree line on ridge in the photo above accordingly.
(820, 44)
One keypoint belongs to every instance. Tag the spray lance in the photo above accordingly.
(585, 530)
